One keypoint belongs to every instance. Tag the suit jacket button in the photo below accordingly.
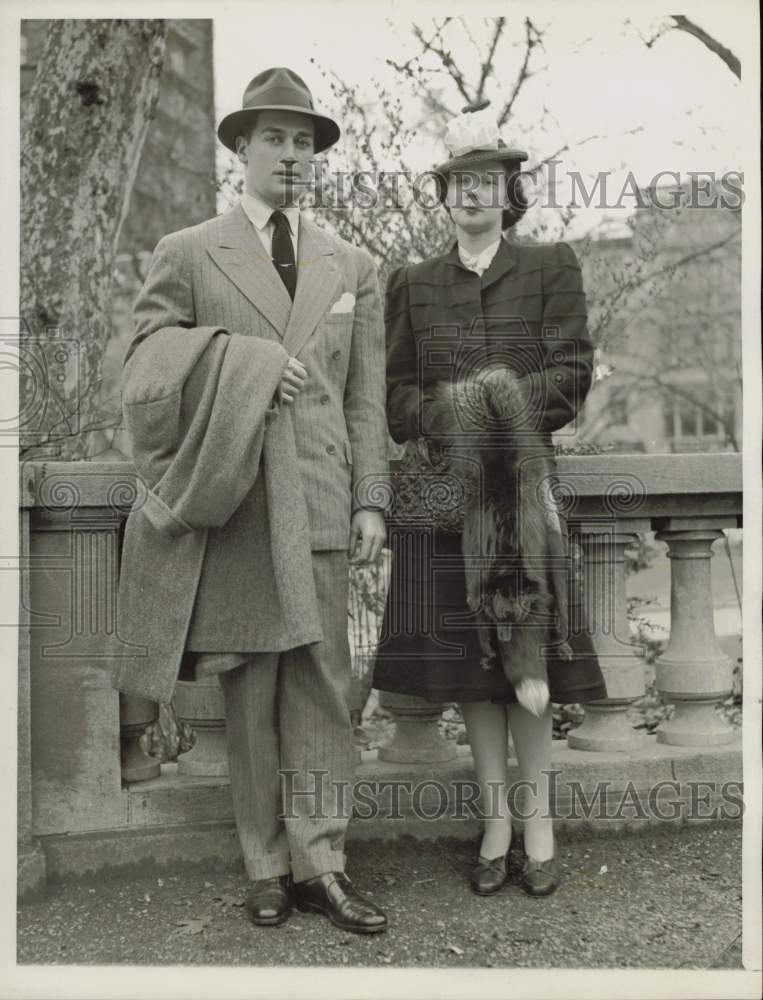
(331, 448)
(325, 398)
(336, 355)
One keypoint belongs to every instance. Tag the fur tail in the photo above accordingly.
(507, 397)
(532, 694)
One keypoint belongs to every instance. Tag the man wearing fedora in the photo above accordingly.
(264, 270)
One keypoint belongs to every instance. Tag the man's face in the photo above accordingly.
(477, 197)
(278, 157)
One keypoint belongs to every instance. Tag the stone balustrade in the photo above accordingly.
(82, 768)
(611, 499)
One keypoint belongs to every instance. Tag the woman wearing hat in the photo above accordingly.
(510, 320)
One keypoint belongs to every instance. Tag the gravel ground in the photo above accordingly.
(653, 899)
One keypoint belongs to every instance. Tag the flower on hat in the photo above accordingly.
(472, 130)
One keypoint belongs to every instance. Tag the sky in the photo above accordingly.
(668, 107)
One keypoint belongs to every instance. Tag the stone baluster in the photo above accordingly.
(693, 672)
(417, 738)
(604, 613)
(201, 705)
(73, 544)
(135, 715)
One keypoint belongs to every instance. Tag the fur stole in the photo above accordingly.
(512, 538)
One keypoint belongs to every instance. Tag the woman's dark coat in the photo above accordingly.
(444, 322)
(528, 310)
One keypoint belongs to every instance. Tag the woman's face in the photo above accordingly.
(477, 197)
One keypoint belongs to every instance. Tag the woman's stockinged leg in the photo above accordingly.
(532, 742)
(487, 731)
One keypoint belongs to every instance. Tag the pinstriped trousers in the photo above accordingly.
(289, 738)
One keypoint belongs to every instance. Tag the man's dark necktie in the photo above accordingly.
(283, 252)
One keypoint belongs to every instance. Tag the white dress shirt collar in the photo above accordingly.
(259, 214)
(479, 262)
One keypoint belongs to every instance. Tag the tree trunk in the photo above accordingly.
(82, 132)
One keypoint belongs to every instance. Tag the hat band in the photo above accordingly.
(465, 150)
(278, 95)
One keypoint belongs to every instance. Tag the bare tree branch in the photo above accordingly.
(434, 104)
(407, 67)
(617, 296)
(532, 38)
(697, 400)
(487, 64)
(446, 58)
(683, 23)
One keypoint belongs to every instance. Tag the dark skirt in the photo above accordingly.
(429, 645)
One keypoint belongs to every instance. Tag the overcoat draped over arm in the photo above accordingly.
(198, 403)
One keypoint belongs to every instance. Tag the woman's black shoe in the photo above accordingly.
(540, 878)
(268, 901)
(489, 875)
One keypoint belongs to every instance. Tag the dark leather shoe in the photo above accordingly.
(337, 898)
(489, 875)
(540, 878)
(268, 901)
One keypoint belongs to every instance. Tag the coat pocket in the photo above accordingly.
(340, 317)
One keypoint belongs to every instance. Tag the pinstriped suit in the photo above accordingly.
(284, 710)
(217, 274)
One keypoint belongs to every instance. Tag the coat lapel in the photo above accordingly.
(241, 257)
(500, 265)
(317, 280)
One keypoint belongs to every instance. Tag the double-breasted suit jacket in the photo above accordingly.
(218, 274)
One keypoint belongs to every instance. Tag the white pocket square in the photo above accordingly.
(344, 304)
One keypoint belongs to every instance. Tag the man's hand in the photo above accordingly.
(367, 534)
(292, 381)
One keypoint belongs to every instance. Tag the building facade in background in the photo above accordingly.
(674, 339)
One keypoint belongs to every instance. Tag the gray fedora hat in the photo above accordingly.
(277, 89)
